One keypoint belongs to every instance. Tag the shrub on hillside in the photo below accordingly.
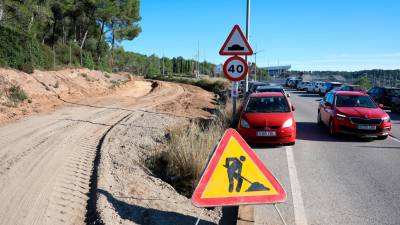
(16, 95)
(184, 156)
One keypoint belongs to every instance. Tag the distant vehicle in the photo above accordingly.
(327, 87)
(292, 82)
(353, 113)
(313, 86)
(396, 105)
(271, 88)
(268, 118)
(352, 87)
(384, 95)
(301, 86)
(318, 86)
(253, 87)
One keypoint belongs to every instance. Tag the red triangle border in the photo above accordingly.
(236, 27)
(241, 200)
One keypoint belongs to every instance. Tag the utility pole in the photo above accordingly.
(247, 37)
(163, 63)
(255, 63)
(198, 59)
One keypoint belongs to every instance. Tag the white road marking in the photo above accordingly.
(393, 138)
(300, 217)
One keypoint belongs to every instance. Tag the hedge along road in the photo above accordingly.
(46, 160)
(329, 180)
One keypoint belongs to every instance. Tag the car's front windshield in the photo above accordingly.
(267, 105)
(355, 101)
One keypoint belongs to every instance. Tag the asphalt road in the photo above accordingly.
(331, 181)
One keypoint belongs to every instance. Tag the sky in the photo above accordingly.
(346, 35)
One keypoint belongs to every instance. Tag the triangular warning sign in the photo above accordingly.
(236, 44)
(235, 175)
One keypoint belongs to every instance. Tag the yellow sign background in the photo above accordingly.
(219, 183)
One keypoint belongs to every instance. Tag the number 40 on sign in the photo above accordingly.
(235, 68)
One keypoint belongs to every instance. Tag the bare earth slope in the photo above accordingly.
(46, 160)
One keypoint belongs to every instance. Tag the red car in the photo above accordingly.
(353, 113)
(268, 118)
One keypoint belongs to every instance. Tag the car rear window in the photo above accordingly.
(267, 105)
(355, 101)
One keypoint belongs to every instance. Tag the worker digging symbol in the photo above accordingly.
(234, 168)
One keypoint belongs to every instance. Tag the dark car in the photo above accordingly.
(352, 87)
(253, 87)
(271, 88)
(328, 86)
(384, 95)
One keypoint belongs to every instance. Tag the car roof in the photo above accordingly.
(266, 94)
(334, 82)
(350, 93)
(270, 87)
(388, 88)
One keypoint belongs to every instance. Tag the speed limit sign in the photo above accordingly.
(235, 68)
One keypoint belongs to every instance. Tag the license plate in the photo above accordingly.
(366, 127)
(266, 133)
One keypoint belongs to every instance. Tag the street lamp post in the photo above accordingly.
(247, 37)
(255, 63)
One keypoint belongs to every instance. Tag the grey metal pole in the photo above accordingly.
(247, 37)
(198, 59)
(255, 66)
(163, 69)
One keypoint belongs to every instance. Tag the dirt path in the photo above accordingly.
(46, 160)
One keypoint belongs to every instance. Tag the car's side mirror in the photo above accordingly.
(293, 108)
(381, 105)
(288, 95)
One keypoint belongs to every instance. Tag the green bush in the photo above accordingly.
(26, 67)
(16, 95)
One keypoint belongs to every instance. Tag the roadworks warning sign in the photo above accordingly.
(235, 175)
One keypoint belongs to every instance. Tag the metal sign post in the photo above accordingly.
(234, 95)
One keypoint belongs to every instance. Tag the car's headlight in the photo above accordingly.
(288, 123)
(341, 116)
(244, 123)
(386, 118)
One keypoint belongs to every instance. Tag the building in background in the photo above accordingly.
(277, 71)
(218, 70)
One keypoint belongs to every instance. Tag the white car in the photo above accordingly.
(318, 87)
(302, 85)
(310, 87)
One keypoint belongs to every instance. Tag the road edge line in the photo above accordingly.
(298, 205)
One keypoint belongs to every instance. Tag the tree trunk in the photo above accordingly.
(112, 44)
(99, 40)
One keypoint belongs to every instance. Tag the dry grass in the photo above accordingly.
(187, 151)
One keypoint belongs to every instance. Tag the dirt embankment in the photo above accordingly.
(44, 89)
(47, 160)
